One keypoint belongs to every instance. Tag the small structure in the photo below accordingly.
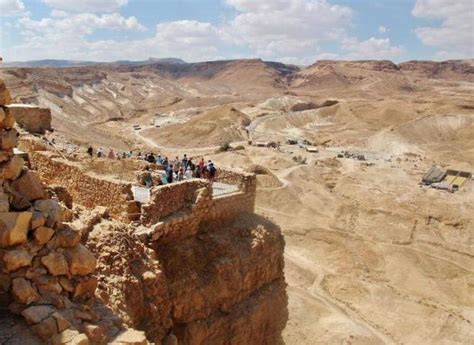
(456, 178)
(434, 175)
(312, 149)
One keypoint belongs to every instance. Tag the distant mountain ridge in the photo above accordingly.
(55, 63)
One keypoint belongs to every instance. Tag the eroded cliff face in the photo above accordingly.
(223, 285)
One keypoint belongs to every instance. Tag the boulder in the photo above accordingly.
(23, 291)
(11, 169)
(81, 339)
(2, 114)
(42, 235)
(29, 186)
(8, 139)
(4, 203)
(131, 337)
(37, 313)
(81, 261)
(50, 209)
(6, 155)
(16, 259)
(55, 263)
(32, 118)
(66, 284)
(14, 228)
(5, 282)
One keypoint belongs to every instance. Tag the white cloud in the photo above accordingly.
(87, 5)
(455, 35)
(11, 7)
(58, 14)
(382, 29)
(373, 49)
(292, 28)
(78, 25)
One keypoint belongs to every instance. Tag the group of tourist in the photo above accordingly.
(173, 170)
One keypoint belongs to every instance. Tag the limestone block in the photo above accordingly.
(81, 261)
(12, 169)
(65, 337)
(50, 209)
(95, 333)
(29, 186)
(23, 291)
(37, 313)
(66, 238)
(46, 328)
(55, 263)
(32, 118)
(14, 228)
(85, 289)
(131, 337)
(16, 259)
(42, 235)
(61, 321)
(8, 139)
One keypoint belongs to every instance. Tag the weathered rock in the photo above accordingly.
(5, 97)
(81, 261)
(29, 186)
(33, 118)
(66, 238)
(81, 339)
(2, 114)
(61, 321)
(8, 139)
(65, 337)
(85, 288)
(16, 259)
(50, 209)
(37, 313)
(23, 291)
(14, 228)
(42, 235)
(55, 263)
(46, 328)
(18, 202)
(131, 337)
(8, 121)
(37, 220)
(66, 284)
(12, 169)
(95, 333)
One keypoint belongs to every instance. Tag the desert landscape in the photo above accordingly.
(338, 150)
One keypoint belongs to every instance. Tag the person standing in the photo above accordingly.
(169, 173)
(90, 151)
(100, 152)
(189, 173)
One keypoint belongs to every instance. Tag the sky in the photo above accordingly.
(290, 31)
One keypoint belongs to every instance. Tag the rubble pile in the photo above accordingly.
(45, 270)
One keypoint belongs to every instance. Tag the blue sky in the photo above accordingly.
(293, 31)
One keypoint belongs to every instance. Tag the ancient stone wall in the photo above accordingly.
(85, 188)
(46, 273)
(177, 210)
(32, 118)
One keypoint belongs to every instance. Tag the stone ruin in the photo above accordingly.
(45, 271)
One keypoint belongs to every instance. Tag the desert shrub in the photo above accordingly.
(224, 147)
(239, 147)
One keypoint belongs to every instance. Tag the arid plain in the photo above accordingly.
(371, 256)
